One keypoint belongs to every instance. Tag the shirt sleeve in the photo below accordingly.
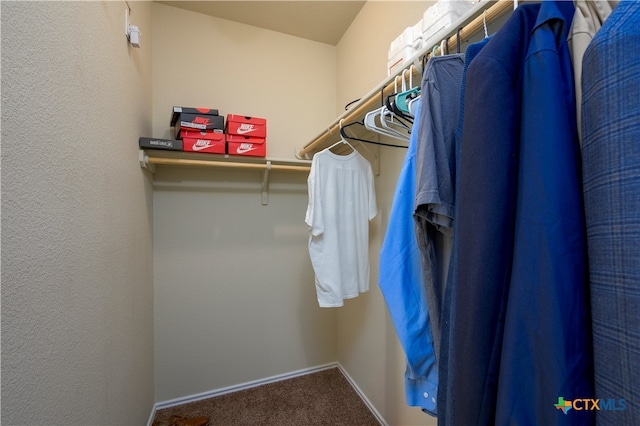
(373, 207)
(314, 217)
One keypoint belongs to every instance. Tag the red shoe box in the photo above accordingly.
(245, 145)
(204, 141)
(246, 135)
(183, 118)
(242, 125)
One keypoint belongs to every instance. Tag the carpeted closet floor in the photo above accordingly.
(322, 398)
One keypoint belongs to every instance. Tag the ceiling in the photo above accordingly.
(318, 20)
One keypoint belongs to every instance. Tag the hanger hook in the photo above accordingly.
(484, 21)
(395, 83)
(458, 39)
(411, 76)
(433, 51)
(443, 43)
(341, 131)
(404, 81)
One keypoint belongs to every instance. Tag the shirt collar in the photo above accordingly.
(551, 10)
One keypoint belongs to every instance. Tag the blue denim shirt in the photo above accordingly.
(401, 283)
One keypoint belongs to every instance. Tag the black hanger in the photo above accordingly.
(391, 106)
(458, 39)
(343, 133)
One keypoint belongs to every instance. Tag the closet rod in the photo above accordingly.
(206, 163)
(372, 99)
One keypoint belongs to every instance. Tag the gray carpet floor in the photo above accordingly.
(321, 398)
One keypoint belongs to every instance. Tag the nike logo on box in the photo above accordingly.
(244, 148)
(245, 128)
(201, 144)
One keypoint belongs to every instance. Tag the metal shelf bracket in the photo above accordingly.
(265, 184)
(143, 158)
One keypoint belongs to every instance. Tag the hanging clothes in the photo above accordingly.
(587, 20)
(435, 168)
(546, 348)
(401, 283)
(443, 366)
(485, 226)
(342, 201)
(611, 167)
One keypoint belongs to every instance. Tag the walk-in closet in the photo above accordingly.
(134, 280)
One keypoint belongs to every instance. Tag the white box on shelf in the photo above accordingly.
(404, 47)
(400, 60)
(441, 15)
(417, 35)
(405, 39)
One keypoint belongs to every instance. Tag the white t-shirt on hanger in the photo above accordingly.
(342, 201)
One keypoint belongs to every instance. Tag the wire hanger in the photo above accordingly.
(343, 133)
(396, 114)
(383, 121)
(393, 119)
(373, 121)
(341, 141)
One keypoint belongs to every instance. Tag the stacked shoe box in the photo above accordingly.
(246, 135)
(200, 129)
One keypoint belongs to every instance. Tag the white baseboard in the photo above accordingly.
(364, 398)
(260, 382)
(236, 388)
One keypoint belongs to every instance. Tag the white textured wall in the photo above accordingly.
(77, 291)
(368, 346)
(234, 290)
